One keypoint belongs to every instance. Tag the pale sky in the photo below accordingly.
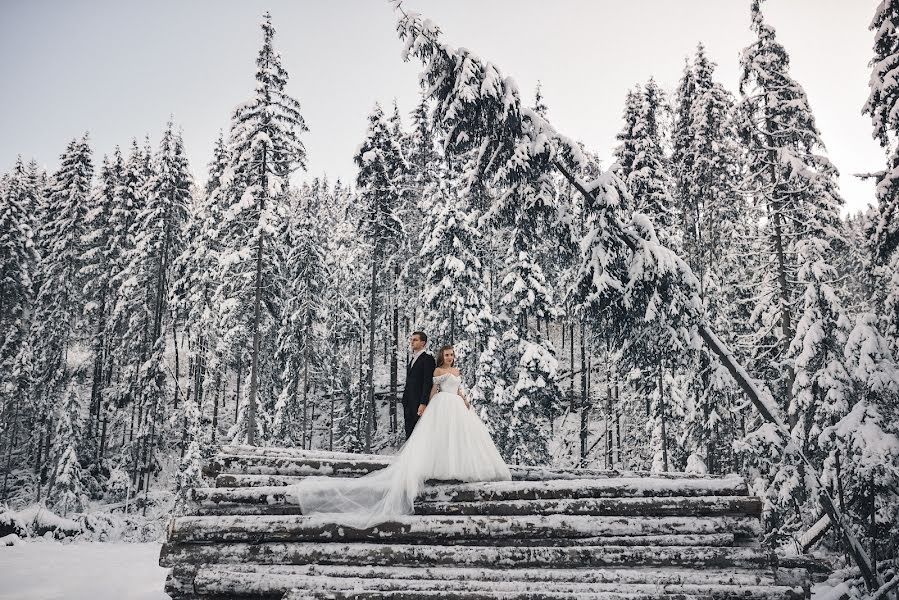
(119, 68)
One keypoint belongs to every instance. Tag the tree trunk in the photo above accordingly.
(368, 407)
(394, 362)
(617, 422)
(12, 445)
(257, 317)
(571, 362)
(306, 358)
(99, 358)
(609, 439)
(177, 364)
(662, 416)
(215, 405)
(237, 391)
(584, 396)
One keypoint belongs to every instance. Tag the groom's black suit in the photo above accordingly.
(419, 379)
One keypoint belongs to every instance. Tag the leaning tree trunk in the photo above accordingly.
(764, 404)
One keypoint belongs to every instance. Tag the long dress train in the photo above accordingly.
(449, 442)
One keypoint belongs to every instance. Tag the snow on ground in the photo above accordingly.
(50, 570)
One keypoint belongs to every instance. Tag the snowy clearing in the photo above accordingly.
(45, 570)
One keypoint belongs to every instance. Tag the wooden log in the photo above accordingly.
(657, 507)
(451, 595)
(619, 576)
(454, 529)
(737, 486)
(298, 553)
(304, 467)
(232, 480)
(272, 501)
(621, 487)
(224, 582)
(304, 463)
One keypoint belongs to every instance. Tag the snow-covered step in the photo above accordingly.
(513, 557)
(276, 575)
(260, 480)
(454, 595)
(531, 530)
(548, 533)
(659, 507)
(302, 463)
(275, 501)
(225, 582)
(293, 466)
(620, 487)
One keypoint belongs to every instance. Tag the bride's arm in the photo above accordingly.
(461, 392)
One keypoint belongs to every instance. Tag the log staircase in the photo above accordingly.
(548, 534)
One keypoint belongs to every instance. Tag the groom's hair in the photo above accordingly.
(421, 335)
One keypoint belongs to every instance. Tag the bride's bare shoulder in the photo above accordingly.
(439, 371)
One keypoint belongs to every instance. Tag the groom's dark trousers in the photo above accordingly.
(419, 379)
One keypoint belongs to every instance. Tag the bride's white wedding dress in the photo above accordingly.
(449, 442)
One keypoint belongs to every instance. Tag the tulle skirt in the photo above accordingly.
(449, 442)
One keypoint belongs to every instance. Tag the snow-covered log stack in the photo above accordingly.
(549, 533)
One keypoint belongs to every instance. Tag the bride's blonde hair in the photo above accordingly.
(440, 354)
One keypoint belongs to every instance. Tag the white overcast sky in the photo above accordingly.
(119, 68)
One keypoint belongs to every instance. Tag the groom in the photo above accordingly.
(419, 379)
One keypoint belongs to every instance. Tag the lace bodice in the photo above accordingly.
(448, 383)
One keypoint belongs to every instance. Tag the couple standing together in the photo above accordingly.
(445, 440)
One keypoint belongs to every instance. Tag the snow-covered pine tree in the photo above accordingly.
(345, 319)
(799, 317)
(301, 337)
(527, 209)
(20, 409)
(67, 488)
(196, 270)
(190, 474)
(455, 290)
(128, 314)
(625, 152)
(59, 301)
(403, 297)
(103, 243)
(646, 170)
(381, 183)
(786, 168)
(265, 148)
(18, 263)
(862, 448)
(649, 177)
(883, 228)
(145, 294)
(821, 387)
(706, 170)
(881, 105)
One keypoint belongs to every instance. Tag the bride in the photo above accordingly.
(449, 442)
